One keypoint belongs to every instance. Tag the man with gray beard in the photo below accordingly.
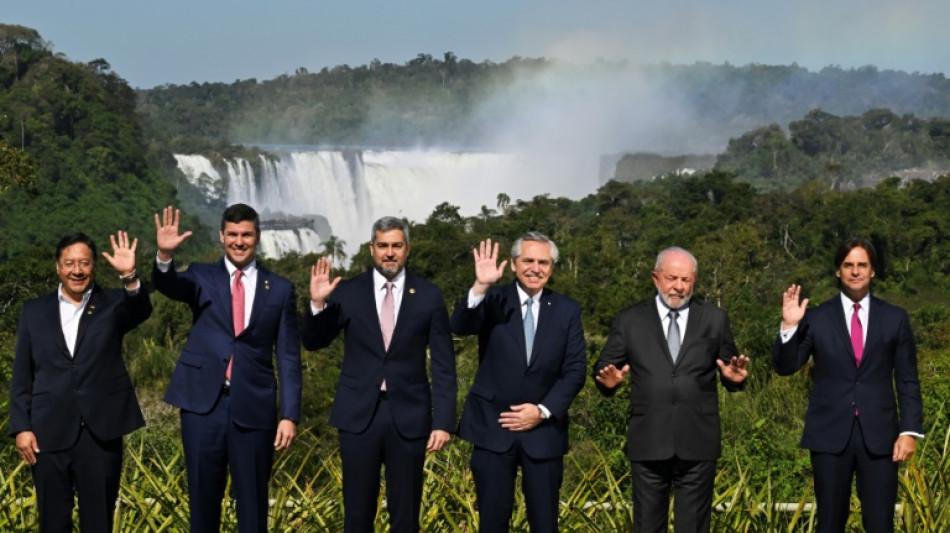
(671, 346)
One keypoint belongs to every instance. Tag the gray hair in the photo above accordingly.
(659, 258)
(534, 236)
(388, 224)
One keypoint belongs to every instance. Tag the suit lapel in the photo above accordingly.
(366, 298)
(95, 304)
(56, 324)
(261, 293)
(875, 327)
(693, 324)
(840, 325)
(222, 288)
(546, 312)
(513, 304)
(407, 306)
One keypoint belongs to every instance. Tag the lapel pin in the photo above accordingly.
(266, 284)
(412, 291)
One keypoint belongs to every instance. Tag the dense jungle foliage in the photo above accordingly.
(454, 102)
(73, 157)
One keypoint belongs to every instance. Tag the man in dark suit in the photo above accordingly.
(384, 408)
(71, 398)
(671, 347)
(863, 352)
(532, 363)
(243, 319)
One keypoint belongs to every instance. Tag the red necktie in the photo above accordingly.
(237, 312)
(857, 335)
(387, 315)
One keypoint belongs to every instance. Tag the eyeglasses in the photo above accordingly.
(70, 264)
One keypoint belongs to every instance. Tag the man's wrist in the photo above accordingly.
(543, 412)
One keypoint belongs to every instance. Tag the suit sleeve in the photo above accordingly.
(468, 321)
(614, 353)
(788, 357)
(288, 359)
(21, 382)
(442, 368)
(907, 384)
(135, 309)
(320, 329)
(728, 350)
(573, 369)
(172, 285)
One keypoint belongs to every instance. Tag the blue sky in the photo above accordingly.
(174, 41)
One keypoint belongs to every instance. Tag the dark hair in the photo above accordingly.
(239, 213)
(850, 244)
(388, 224)
(74, 238)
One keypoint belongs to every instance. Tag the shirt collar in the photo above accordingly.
(251, 268)
(848, 303)
(380, 280)
(85, 296)
(522, 296)
(663, 310)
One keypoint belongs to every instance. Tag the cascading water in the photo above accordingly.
(352, 188)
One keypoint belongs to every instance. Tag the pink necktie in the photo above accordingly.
(237, 312)
(387, 315)
(857, 335)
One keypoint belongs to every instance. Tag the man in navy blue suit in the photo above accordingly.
(244, 319)
(532, 363)
(71, 398)
(863, 351)
(385, 410)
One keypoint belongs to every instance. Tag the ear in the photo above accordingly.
(221, 236)
(872, 272)
(511, 263)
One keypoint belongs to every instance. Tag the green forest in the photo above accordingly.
(81, 150)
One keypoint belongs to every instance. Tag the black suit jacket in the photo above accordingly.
(51, 393)
(271, 335)
(889, 363)
(674, 408)
(422, 324)
(504, 377)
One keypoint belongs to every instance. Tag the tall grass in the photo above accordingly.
(306, 496)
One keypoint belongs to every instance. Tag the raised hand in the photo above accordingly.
(320, 284)
(123, 255)
(737, 369)
(610, 376)
(792, 310)
(166, 233)
(487, 269)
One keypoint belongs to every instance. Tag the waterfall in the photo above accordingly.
(352, 188)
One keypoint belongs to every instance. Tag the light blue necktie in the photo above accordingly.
(673, 335)
(529, 327)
